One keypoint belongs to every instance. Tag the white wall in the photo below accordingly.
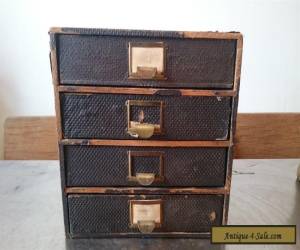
(271, 28)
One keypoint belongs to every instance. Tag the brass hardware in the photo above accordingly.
(146, 215)
(145, 179)
(146, 226)
(148, 72)
(139, 129)
(147, 60)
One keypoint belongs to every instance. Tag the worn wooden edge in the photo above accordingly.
(55, 81)
(163, 85)
(226, 208)
(55, 30)
(142, 190)
(53, 62)
(58, 113)
(63, 184)
(182, 34)
(143, 91)
(236, 86)
(238, 63)
(211, 35)
(227, 184)
(146, 143)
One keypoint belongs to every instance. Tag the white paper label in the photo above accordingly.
(145, 212)
(147, 57)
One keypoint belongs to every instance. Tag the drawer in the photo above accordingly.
(157, 59)
(96, 215)
(144, 166)
(112, 116)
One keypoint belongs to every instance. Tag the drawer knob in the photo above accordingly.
(141, 130)
(146, 226)
(145, 179)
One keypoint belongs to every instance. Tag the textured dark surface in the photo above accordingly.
(149, 164)
(105, 116)
(92, 214)
(103, 60)
(123, 32)
(31, 208)
(100, 57)
(108, 166)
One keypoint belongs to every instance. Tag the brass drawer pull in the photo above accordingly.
(139, 128)
(149, 72)
(147, 60)
(146, 226)
(143, 178)
(146, 215)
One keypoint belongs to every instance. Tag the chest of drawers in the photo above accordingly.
(146, 121)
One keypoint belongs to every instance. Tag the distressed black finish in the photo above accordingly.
(104, 116)
(93, 65)
(189, 62)
(109, 214)
(250, 193)
(121, 32)
(108, 166)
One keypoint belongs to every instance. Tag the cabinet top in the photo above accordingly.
(146, 33)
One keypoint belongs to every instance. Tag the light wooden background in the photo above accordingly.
(258, 136)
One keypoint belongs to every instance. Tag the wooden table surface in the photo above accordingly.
(264, 192)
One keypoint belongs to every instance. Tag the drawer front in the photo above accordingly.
(108, 60)
(125, 166)
(109, 116)
(92, 215)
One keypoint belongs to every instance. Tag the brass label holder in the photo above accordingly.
(147, 60)
(144, 130)
(146, 215)
(145, 179)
